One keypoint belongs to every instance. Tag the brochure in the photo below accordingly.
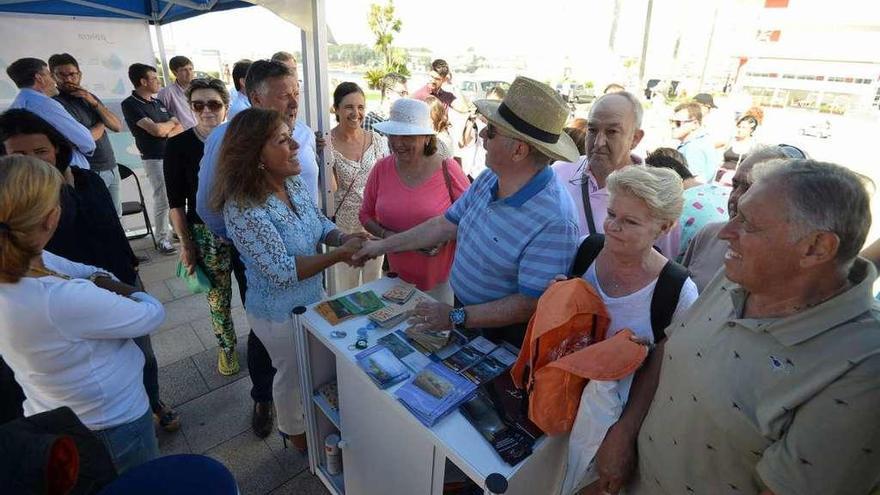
(400, 293)
(361, 303)
(380, 364)
(434, 392)
(415, 360)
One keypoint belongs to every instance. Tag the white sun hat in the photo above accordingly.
(408, 117)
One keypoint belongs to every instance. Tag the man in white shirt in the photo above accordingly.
(310, 144)
(174, 95)
(614, 129)
(239, 96)
(37, 87)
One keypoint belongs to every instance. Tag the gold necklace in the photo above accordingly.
(39, 271)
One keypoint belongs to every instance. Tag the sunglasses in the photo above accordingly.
(211, 105)
(492, 131)
(679, 123)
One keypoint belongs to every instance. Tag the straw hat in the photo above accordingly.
(408, 117)
(534, 113)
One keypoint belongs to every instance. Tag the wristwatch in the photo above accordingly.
(458, 316)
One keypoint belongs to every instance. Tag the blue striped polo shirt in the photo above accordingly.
(514, 245)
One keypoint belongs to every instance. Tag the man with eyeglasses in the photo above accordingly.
(91, 112)
(614, 129)
(697, 148)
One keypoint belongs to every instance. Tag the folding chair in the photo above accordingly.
(136, 207)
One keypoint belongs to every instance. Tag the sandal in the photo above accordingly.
(168, 419)
(227, 362)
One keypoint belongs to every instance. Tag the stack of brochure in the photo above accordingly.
(394, 314)
(349, 306)
(382, 366)
(400, 293)
(434, 392)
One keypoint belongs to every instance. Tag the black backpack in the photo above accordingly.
(666, 293)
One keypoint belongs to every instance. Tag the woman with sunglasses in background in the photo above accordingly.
(209, 101)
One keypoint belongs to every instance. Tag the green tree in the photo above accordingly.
(384, 26)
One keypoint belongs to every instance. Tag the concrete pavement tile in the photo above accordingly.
(251, 462)
(236, 297)
(173, 443)
(176, 343)
(217, 416)
(290, 459)
(304, 483)
(178, 287)
(205, 329)
(159, 268)
(185, 310)
(206, 362)
(181, 382)
(160, 291)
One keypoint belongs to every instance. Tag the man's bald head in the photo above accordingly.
(613, 130)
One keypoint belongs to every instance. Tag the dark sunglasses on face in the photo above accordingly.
(212, 105)
(491, 131)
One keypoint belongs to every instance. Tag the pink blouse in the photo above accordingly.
(398, 207)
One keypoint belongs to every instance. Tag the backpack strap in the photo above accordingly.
(665, 298)
(587, 253)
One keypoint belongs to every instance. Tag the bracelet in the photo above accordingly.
(97, 275)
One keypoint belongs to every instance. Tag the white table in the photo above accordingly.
(385, 449)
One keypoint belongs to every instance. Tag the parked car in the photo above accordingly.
(476, 89)
(575, 93)
(820, 130)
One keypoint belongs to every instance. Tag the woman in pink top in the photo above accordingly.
(412, 185)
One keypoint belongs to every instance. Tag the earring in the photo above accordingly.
(261, 166)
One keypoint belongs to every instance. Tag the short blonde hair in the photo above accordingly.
(660, 188)
(29, 190)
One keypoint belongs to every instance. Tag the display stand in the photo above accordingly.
(385, 449)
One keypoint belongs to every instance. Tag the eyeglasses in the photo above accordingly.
(679, 123)
(211, 105)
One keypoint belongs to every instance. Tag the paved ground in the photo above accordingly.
(215, 410)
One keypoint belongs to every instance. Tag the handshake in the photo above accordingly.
(358, 248)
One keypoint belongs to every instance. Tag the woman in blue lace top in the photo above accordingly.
(276, 226)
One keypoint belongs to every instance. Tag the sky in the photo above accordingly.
(549, 35)
(492, 27)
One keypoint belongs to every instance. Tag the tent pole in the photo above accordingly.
(166, 73)
(317, 101)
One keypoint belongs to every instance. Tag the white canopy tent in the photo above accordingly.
(308, 15)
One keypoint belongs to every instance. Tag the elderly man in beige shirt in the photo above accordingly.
(771, 383)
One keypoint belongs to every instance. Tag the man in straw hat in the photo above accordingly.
(514, 227)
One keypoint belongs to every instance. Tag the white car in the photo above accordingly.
(820, 130)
